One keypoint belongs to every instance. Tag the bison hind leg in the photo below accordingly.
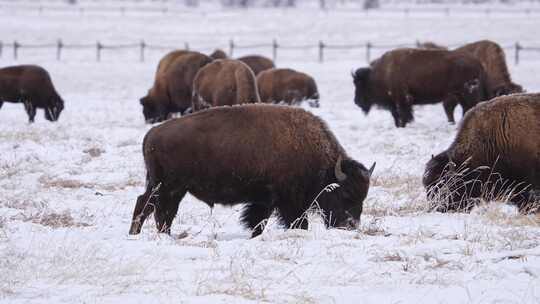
(143, 208)
(255, 216)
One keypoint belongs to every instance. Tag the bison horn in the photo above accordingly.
(338, 171)
(371, 169)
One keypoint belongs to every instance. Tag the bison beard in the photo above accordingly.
(284, 170)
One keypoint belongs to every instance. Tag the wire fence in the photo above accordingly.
(179, 10)
(321, 48)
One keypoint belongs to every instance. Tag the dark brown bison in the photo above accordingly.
(268, 157)
(492, 57)
(218, 54)
(288, 86)
(173, 84)
(257, 63)
(224, 82)
(495, 155)
(32, 86)
(405, 77)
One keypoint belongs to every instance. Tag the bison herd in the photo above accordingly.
(240, 139)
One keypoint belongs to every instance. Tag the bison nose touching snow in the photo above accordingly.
(269, 157)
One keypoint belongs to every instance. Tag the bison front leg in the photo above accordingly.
(395, 115)
(1, 103)
(143, 208)
(404, 113)
(255, 217)
(167, 209)
(30, 110)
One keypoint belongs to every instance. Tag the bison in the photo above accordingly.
(218, 54)
(288, 86)
(496, 154)
(405, 77)
(492, 57)
(32, 86)
(257, 63)
(172, 89)
(224, 82)
(268, 157)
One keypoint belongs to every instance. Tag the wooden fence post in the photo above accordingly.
(231, 48)
(186, 46)
(447, 11)
(1, 48)
(518, 48)
(16, 47)
(274, 49)
(142, 46)
(99, 46)
(321, 51)
(368, 51)
(59, 46)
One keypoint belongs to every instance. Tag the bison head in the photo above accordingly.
(361, 86)
(153, 112)
(54, 108)
(218, 54)
(343, 207)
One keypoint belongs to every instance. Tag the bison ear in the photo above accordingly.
(338, 170)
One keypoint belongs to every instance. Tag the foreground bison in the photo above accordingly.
(492, 57)
(224, 82)
(257, 63)
(268, 157)
(288, 86)
(30, 85)
(405, 77)
(172, 89)
(495, 155)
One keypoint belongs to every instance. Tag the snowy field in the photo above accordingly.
(67, 190)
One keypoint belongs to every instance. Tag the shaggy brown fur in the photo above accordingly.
(269, 157)
(32, 86)
(218, 54)
(428, 45)
(257, 63)
(173, 85)
(224, 82)
(288, 86)
(405, 77)
(496, 149)
(492, 57)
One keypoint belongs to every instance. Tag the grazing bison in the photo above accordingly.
(218, 54)
(288, 86)
(173, 84)
(405, 77)
(492, 57)
(496, 153)
(257, 63)
(224, 82)
(32, 86)
(268, 157)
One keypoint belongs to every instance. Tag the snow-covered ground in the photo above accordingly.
(67, 190)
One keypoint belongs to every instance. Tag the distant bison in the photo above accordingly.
(492, 57)
(172, 88)
(496, 154)
(224, 82)
(32, 86)
(288, 86)
(218, 54)
(257, 63)
(268, 157)
(405, 77)
(428, 45)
